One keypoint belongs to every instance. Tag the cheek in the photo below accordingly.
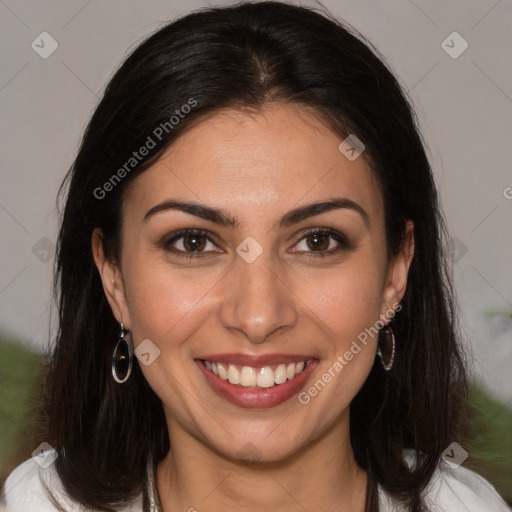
(167, 307)
(347, 305)
(346, 300)
(160, 299)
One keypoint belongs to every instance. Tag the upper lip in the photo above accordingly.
(256, 361)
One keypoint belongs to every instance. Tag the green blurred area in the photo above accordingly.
(19, 372)
(490, 452)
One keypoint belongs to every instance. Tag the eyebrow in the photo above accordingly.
(294, 216)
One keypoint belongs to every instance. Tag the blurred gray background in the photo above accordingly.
(463, 97)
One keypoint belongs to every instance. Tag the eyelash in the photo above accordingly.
(340, 238)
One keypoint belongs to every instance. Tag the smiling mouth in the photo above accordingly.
(261, 377)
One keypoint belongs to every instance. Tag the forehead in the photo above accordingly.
(274, 159)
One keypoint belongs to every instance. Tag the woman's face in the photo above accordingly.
(250, 274)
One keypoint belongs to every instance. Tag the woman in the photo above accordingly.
(255, 310)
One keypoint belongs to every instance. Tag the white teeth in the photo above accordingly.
(248, 376)
(233, 374)
(223, 374)
(264, 377)
(280, 374)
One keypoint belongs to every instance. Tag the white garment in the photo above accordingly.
(450, 490)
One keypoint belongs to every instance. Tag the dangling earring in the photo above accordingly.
(122, 356)
(386, 347)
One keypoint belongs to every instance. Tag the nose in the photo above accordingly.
(257, 301)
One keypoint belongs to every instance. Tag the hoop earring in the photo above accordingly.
(386, 347)
(122, 356)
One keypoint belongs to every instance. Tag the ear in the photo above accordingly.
(111, 278)
(397, 272)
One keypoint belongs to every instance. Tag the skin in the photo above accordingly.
(255, 167)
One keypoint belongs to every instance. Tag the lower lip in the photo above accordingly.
(257, 397)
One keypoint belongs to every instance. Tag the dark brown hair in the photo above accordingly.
(245, 56)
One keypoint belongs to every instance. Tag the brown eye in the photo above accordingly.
(194, 243)
(322, 242)
(190, 243)
(318, 242)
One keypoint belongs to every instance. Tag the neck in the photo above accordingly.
(321, 476)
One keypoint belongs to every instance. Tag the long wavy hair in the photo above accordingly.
(245, 56)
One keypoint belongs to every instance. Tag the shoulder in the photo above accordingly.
(25, 489)
(460, 489)
(453, 489)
